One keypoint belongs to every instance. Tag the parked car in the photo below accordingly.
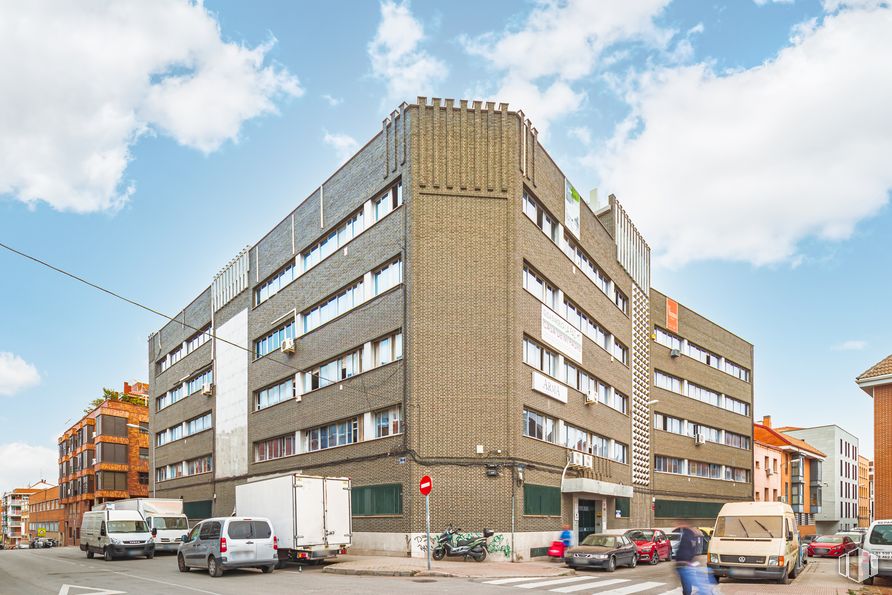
(702, 538)
(224, 543)
(653, 545)
(854, 535)
(600, 550)
(115, 533)
(755, 540)
(674, 541)
(831, 546)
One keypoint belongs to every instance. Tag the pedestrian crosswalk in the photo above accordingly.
(588, 584)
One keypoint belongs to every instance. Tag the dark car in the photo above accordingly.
(831, 546)
(653, 545)
(702, 539)
(602, 551)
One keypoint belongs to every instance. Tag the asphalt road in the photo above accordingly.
(67, 571)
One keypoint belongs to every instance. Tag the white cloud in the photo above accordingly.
(344, 144)
(23, 464)
(84, 81)
(398, 60)
(851, 345)
(16, 374)
(745, 165)
(560, 43)
(582, 134)
(332, 101)
(764, 2)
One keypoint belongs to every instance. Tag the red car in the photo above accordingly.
(832, 546)
(652, 545)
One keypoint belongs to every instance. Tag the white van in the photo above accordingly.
(878, 541)
(116, 533)
(755, 540)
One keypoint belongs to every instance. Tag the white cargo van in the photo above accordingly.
(164, 516)
(755, 540)
(311, 514)
(878, 541)
(115, 533)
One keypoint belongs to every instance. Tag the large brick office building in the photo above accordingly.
(104, 456)
(447, 304)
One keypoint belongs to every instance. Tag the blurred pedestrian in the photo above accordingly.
(691, 573)
(566, 536)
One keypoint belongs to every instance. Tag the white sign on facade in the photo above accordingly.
(549, 387)
(560, 334)
(572, 200)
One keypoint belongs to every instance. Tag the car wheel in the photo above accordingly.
(267, 569)
(634, 561)
(655, 559)
(611, 564)
(150, 555)
(181, 563)
(107, 553)
(90, 553)
(213, 568)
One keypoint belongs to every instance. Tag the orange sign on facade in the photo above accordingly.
(672, 315)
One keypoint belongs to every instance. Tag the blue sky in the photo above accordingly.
(749, 140)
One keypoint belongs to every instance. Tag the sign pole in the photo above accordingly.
(427, 522)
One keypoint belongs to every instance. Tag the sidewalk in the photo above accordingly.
(393, 566)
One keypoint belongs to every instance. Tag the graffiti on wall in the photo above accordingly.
(498, 544)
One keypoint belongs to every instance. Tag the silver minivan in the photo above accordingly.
(223, 543)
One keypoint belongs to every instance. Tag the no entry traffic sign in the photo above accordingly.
(425, 485)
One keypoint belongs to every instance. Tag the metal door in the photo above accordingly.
(589, 518)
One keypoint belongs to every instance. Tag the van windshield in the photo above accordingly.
(749, 526)
(169, 522)
(881, 535)
(127, 527)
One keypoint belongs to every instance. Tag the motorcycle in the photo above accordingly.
(475, 548)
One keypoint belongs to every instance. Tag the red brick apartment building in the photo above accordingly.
(876, 381)
(104, 456)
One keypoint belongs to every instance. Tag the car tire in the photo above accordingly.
(267, 569)
(181, 563)
(90, 553)
(150, 555)
(611, 564)
(795, 571)
(281, 563)
(214, 568)
(634, 561)
(655, 559)
(106, 553)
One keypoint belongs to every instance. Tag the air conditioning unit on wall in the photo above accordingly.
(699, 439)
(207, 389)
(288, 346)
(675, 352)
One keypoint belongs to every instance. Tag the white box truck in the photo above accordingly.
(164, 516)
(310, 515)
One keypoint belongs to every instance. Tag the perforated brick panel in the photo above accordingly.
(640, 387)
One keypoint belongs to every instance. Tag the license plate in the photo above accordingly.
(884, 555)
(742, 571)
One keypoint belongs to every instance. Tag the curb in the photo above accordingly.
(423, 573)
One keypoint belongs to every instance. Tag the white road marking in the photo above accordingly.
(598, 583)
(631, 589)
(675, 591)
(559, 581)
(145, 578)
(508, 581)
(91, 590)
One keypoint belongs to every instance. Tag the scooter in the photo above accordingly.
(475, 547)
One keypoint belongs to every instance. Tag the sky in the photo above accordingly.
(151, 141)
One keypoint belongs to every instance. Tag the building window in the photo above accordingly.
(540, 358)
(199, 465)
(542, 427)
(197, 340)
(388, 422)
(620, 352)
(197, 383)
(143, 478)
(544, 291)
(576, 438)
(708, 433)
(587, 265)
(111, 481)
(333, 241)
(389, 349)
(273, 341)
(702, 355)
(170, 397)
(542, 219)
(667, 382)
(388, 277)
(741, 475)
(621, 301)
(668, 423)
(274, 394)
(620, 402)
(665, 464)
(707, 470)
(333, 307)
(703, 394)
(274, 448)
(143, 453)
(600, 446)
(111, 425)
(737, 371)
(738, 441)
(388, 202)
(340, 368)
(198, 424)
(377, 500)
(667, 339)
(275, 283)
(541, 500)
(332, 435)
(736, 406)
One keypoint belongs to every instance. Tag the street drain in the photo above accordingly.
(424, 580)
